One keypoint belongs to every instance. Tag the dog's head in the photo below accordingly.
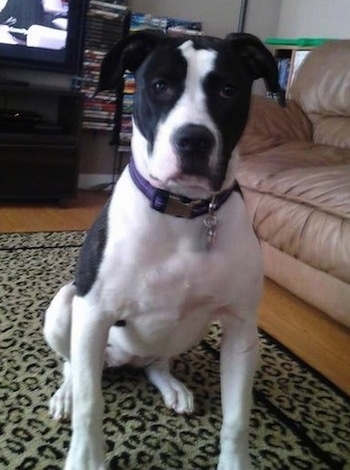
(191, 103)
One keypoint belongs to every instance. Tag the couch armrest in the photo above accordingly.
(270, 125)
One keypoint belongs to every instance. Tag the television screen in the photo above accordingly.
(41, 33)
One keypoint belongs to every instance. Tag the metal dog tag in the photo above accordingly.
(211, 223)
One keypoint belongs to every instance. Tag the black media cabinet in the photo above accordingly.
(39, 158)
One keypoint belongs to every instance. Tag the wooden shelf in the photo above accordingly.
(289, 58)
(40, 160)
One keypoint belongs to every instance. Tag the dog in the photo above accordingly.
(174, 249)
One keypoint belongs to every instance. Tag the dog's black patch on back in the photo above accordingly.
(91, 253)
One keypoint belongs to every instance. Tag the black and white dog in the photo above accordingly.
(174, 248)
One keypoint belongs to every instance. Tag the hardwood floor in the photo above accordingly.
(312, 335)
(37, 216)
(306, 331)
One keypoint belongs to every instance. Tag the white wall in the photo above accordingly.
(263, 17)
(218, 18)
(283, 18)
(314, 18)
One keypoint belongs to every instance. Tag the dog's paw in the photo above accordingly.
(229, 461)
(86, 452)
(178, 397)
(60, 406)
(72, 465)
(175, 394)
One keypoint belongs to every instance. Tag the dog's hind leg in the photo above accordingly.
(57, 332)
(175, 394)
(58, 320)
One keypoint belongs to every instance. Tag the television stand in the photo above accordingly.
(39, 153)
(12, 82)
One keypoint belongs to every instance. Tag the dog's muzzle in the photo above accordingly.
(193, 143)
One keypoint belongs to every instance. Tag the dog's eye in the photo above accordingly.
(161, 88)
(227, 91)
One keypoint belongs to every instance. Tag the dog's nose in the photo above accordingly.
(193, 140)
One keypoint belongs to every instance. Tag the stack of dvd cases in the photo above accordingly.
(106, 24)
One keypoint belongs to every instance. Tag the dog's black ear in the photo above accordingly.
(260, 61)
(127, 54)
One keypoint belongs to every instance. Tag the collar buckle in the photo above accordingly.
(178, 208)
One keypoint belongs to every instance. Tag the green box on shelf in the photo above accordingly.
(299, 42)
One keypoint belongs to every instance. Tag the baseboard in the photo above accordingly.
(325, 292)
(94, 181)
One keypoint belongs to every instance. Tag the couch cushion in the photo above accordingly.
(332, 130)
(270, 125)
(299, 201)
(321, 87)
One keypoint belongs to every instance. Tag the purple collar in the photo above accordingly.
(173, 204)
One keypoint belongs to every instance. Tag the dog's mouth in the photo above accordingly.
(192, 186)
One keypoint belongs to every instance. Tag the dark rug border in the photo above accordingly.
(307, 366)
(296, 427)
(35, 232)
(42, 247)
(300, 432)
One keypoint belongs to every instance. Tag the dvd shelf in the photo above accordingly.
(289, 54)
(106, 24)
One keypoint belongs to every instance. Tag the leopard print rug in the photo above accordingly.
(298, 421)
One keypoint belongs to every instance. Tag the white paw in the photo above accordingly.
(178, 398)
(229, 461)
(85, 452)
(72, 465)
(60, 407)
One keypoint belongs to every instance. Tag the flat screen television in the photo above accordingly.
(42, 34)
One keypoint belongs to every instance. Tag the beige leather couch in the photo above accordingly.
(295, 175)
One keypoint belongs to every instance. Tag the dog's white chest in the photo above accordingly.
(167, 304)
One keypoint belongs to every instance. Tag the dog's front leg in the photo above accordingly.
(88, 343)
(239, 353)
